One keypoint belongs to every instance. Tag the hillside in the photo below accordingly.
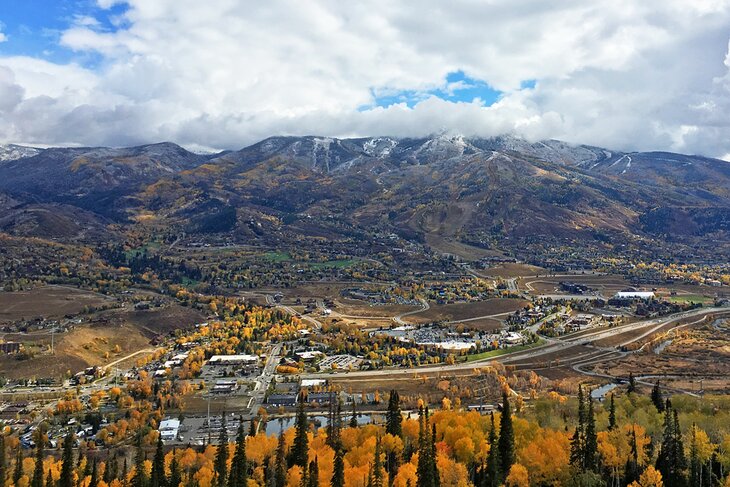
(447, 186)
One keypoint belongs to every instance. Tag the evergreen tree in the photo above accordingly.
(394, 417)
(49, 479)
(239, 466)
(125, 473)
(591, 438)
(3, 461)
(313, 473)
(37, 480)
(94, 481)
(252, 428)
(157, 475)
(632, 383)
(612, 414)
(493, 476)
(140, 478)
(656, 397)
(671, 461)
(353, 418)
(300, 448)
(220, 464)
(280, 466)
(377, 464)
(175, 475)
(506, 441)
(432, 458)
(424, 469)
(338, 468)
(577, 441)
(632, 471)
(18, 471)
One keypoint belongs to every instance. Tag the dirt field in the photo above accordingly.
(607, 285)
(512, 270)
(354, 307)
(47, 302)
(464, 311)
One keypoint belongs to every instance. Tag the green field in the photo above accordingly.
(277, 256)
(336, 264)
(690, 298)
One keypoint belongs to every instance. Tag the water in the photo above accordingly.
(274, 426)
(600, 392)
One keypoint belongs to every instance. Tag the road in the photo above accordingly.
(264, 380)
(315, 323)
(424, 307)
(585, 339)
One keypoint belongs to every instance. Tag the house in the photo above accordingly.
(233, 360)
(634, 295)
(282, 399)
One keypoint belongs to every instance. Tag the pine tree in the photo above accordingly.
(338, 468)
(300, 448)
(671, 461)
(157, 475)
(3, 461)
(18, 471)
(220, 464)
(612, 414)
(125, 473)
(37, 480)
(394, 417)
(632, 383)
(353, 418)
(591, 438)
(656, 397)
(377, 464)
(49, 479)
(432, 458)
(239, 466)
(313, 473)
(506, 437)
(493, 476)
(94, 481)
(252, 428)
(424, 470)
(632, 472)
(175, 475)
(140, 478)
(280, 466)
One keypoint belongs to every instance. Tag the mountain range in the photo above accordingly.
(447, 186)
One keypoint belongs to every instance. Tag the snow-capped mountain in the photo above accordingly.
(12, 152)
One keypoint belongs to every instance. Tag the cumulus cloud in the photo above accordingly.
(623, 74)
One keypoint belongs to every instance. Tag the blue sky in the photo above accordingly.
(223, 74)
(33, 27)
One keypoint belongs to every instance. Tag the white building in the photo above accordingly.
(634, 295)
(233, 360)
(168, 429)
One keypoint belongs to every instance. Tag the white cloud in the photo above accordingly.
(623, 74)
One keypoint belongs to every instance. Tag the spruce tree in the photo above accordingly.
(157, 475)
(656, 397)
(3, 461)
(424, 470)
(377, 464)
(506, 441)
(432, 458)
(612, 414)
(140, 478)
(239, 466)
(632, 472)
(94, 481)
(49, 479)
(591, 438)
(394, 417)
(353, 418)
(38, 472)
(300, 448)
(671, 461)
(338, 468)
(252, 428)
(280, 466)
(18, 471)
(220, 464)
(313, 473)
(632, 383)
(493, 476)
(67, 462)
(125, 473)
(175, 475)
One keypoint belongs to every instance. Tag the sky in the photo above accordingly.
(222, 74)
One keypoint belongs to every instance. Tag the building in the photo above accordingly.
(309, 356)
(233, 360)
(168, 429)
(224, 386)
(308, 383)
(634, 295)
(10, 347)
(282, 399)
